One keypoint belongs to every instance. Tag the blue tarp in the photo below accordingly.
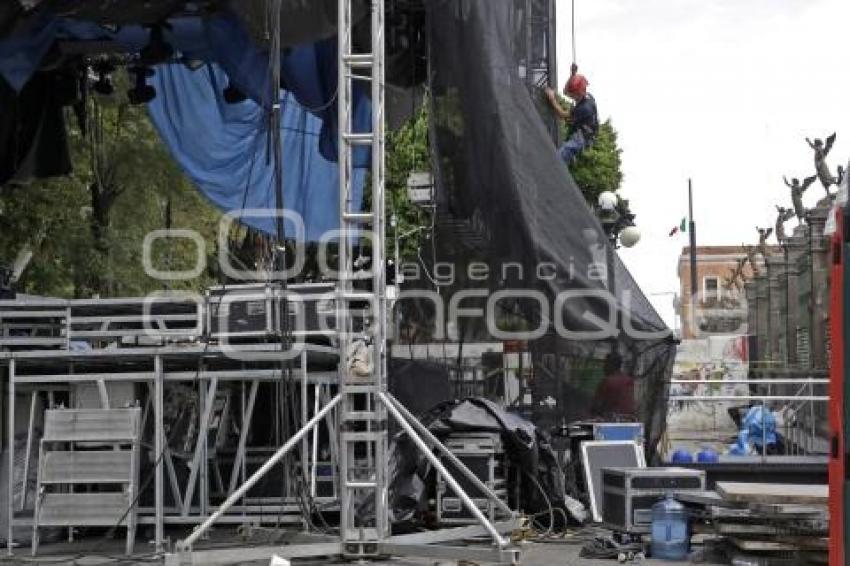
(758, 427)
(223, 149)
(308, 71)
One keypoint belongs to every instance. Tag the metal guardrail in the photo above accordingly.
(158, 319)
(804, 397)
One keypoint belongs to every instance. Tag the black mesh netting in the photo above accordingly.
(515, 238)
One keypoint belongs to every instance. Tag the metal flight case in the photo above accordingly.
(484, 455)
(628, 494)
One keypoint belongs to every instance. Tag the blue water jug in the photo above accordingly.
(670, 535)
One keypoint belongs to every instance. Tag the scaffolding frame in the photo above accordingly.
(210, 368)
(364, 403)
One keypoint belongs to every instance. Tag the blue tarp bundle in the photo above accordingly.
(222, 147)
(757, 428)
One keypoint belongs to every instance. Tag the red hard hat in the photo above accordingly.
(577, 85)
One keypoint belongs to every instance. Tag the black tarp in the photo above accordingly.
(9, 14)
(302, 21)
(114, 12)
(504, 198)
(33, 139)
(528, 451)
(419, 385)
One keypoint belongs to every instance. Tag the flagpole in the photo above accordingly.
(693, 237)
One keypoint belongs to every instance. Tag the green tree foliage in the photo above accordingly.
(86, 230)
(408, 151)
(598, 169)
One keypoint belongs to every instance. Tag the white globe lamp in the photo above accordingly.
(608, 201)
(630, 236)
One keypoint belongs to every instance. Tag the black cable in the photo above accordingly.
(546, 499)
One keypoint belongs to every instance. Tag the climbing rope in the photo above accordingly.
(573, 22)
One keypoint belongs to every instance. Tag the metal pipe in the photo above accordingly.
(746, 398)
(314, 453)
(426, 451)
(187, 543)
(779, 381)
(10, 480)
(763, 430)
(247, 414)
(305, 470)
(158, 443)
(811, 423)
(429, 436)
(693, 252)
(207, 400)
(28, 452)
(203, 480)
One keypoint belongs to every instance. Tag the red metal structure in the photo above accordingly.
(838, 406)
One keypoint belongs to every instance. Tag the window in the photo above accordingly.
(711, 288)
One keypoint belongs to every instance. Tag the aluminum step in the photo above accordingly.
(89, 509)
(107, 466)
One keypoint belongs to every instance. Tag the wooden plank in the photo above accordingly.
(773, 493)
(767, 530)
(790, 510)
(745, 529)
(729, 513)
(809, 543)
(778, 559)
(705, 498)
(762, 545)
(788, 544)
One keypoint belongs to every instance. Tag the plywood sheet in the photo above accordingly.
(810, 494)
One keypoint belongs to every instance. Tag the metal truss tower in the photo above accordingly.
(540, 61)
(363, 402)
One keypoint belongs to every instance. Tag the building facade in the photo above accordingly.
(717, 305)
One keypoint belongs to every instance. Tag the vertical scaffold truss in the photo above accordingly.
(363, 402)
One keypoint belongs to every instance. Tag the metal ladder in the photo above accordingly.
(362, 417)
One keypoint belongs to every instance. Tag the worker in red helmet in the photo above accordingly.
(583, 121)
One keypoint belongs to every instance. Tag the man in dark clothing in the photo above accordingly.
(583, 120)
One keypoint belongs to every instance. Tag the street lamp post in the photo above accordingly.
(619, 227)
(618, 223)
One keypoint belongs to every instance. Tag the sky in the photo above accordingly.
(721, 91)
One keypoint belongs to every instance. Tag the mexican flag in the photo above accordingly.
(682, 227)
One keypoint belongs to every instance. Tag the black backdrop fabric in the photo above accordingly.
(419, 385)
(33, 139)
(499, 177)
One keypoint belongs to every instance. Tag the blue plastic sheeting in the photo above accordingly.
(223, 149)
(753, 433)
(308, 71)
